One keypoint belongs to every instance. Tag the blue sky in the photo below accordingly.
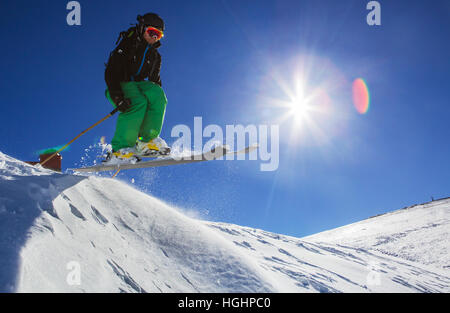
(231, 62)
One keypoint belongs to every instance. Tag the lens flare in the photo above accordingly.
(361, 96)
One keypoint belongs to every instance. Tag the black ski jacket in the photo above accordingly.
(132, 60)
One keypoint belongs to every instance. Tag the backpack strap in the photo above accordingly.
(128, 33)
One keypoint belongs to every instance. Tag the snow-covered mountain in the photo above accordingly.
(67, 233)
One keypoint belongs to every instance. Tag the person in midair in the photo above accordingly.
(134, 87)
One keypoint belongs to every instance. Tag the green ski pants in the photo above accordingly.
(145, 117)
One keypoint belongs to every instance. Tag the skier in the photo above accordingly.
(142, 103)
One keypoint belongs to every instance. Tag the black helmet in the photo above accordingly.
(151, 19)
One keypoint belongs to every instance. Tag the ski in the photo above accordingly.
(213, 154)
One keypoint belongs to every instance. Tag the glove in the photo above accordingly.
(122, 104)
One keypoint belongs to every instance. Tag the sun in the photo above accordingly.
(299, 110)
(304, 95)
(299, 106)
(301, 103)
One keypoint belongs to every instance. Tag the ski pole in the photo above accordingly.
(115, 174)
(82, 133)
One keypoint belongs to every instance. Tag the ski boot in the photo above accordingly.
(122, 156)
(154, 148)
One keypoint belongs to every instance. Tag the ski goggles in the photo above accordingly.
(154, 32)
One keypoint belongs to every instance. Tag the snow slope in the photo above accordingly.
(66, 233)
(419, 233)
